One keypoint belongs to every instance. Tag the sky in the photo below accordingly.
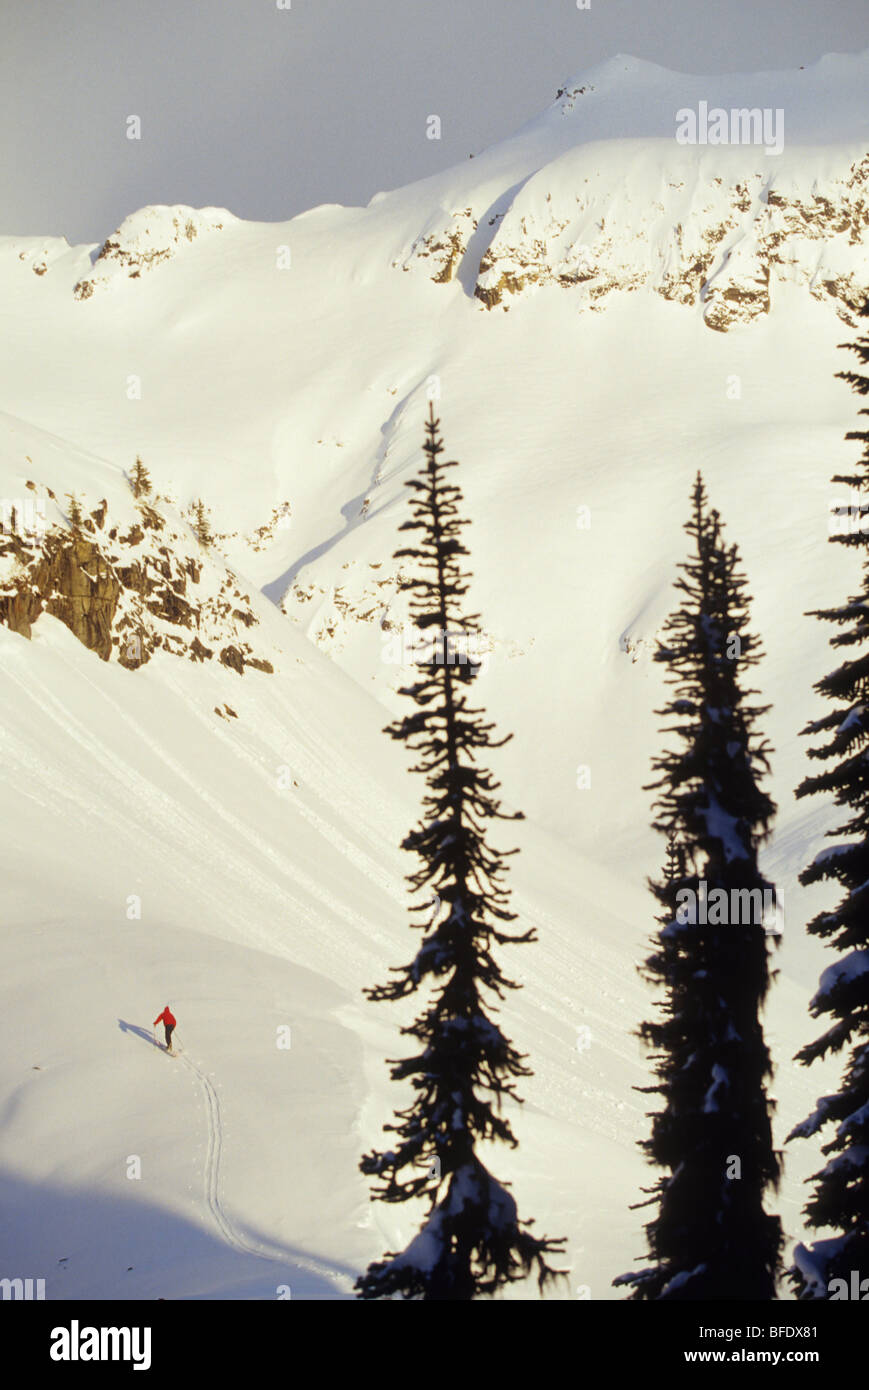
(269, 111)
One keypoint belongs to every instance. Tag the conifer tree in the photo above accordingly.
(471, 1241)
(140, 479)
(75, 513)
(202, 524)
(841, 1193)
(710, 1237)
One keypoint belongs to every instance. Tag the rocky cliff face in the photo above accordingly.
(721, 243)
(128, 590)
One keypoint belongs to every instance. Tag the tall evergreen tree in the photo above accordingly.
(140, 479)
(471, 1241)
(202, 524)
(841, 1193)
(710, 1237)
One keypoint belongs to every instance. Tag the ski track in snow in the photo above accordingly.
(211, 1179)
(166, 811)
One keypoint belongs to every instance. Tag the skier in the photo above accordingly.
(168, 1020)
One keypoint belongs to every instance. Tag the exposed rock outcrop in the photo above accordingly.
(721, 243)
(145, 239)
(444, 246)
(127, 591)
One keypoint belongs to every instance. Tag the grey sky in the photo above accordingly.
(268, 111)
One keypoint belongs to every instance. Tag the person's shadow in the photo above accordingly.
(140, 1033)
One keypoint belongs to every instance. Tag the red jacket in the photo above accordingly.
(165, 1017)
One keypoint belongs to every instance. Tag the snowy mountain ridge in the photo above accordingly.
(146, 238)
(626, 199)
(603, 219)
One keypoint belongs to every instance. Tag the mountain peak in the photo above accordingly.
(634, 98)
(153, 234)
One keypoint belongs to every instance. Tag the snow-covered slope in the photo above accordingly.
(245, 873)
(281, 373)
